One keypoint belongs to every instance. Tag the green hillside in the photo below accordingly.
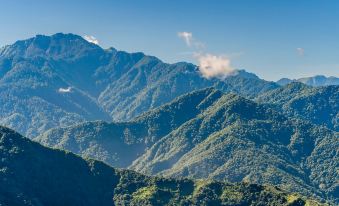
(207, 134)
(59, 80)
(33, 175)
(318, 105)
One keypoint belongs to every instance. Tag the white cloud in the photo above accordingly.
(209, 65)
(187, 37)
(91, 39)
(301, 51)
(65, 90)
(214, 66)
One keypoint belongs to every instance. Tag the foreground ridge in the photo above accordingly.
(31, 174)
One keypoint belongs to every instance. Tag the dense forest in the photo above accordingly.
(208, 134)
(31, 174)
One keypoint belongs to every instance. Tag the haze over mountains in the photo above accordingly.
(319, 80)
(134, 111)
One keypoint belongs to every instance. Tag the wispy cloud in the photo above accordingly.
(301, 51)
(190, 41)
(210, 65)
(186, 36)
(91, 39)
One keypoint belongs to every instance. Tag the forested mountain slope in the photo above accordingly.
(58, 80)
(208, 134)
(319, 105)
(119, 144)
(33, 175)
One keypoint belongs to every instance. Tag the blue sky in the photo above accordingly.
(274, 39)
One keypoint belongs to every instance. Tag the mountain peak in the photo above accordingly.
(248, 75)
(61, 35)
(41, 39)
(59, 45)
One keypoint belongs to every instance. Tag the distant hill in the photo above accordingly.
(315, 81)
(58, 80)
(284, 81)
(318, 105)
(31, 174)
(208, 134)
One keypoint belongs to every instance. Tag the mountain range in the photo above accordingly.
(239, 140)
(73, 80)
(209, 134)
(32, 175)
(318, 80)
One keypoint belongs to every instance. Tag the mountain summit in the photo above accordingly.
(57, 46)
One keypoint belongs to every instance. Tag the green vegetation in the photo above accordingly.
(283, 136)
(31, 174)
(119, 144)
(318, 105)
(207, 134)
(59, 80)
(144, 193)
